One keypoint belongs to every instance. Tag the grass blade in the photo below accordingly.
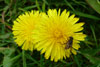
(85, 15)
(30, 58)
(93, 32)
(68, 4)
(24, 59)
(76, 60)
(38, 5)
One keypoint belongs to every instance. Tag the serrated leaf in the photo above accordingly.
(95, 4)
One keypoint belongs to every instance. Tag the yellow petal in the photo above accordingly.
(54, 52)
(76, 46)
(45, 48)
(73, 51)
(42, 44)
(70, 18)
(68, 53)
(77, 27)
(79, 36)
(74, 20)
(48, 52)
(57, 57)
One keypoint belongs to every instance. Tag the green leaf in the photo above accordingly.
(7, 56)
(4, 36)
(85, 15)
(77, 61)
(3, 44)
(6, 62)
(7, 1)
(7, 51)
(91, 52)
(95, 4)
(92, 59)
(68, 64)
(32, 59)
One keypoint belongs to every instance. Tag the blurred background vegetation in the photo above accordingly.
(87, 10)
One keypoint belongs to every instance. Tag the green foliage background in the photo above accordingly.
(12, 56)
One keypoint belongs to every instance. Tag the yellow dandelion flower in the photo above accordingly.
(23, 27)
(54, 32)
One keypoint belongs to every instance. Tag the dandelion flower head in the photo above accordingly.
(54, 31)
(23, 27)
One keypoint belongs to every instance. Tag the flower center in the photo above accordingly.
(57, 34)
